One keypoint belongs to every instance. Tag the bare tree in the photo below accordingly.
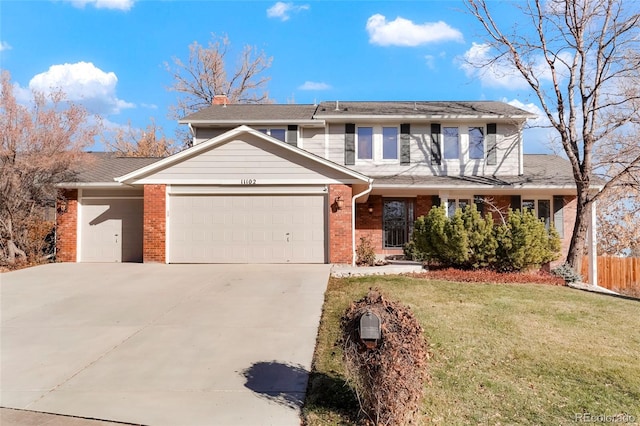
(208, 73)
(40, 145)
(148, 142)
(578, 57)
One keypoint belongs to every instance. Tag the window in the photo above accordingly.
(476, 143)
(389, 143)
(453, 204)
(451, 143)
(542, 208)
(397, 223)
(365, 143)
(280, 134)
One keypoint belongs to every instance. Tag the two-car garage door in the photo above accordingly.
(246, 228)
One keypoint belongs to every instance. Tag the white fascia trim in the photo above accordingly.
(211, 143)
(236, 182)
(409, 117)
(281, 122)
(94, 185)
(569, 188)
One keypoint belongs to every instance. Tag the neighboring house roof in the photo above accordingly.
(308, 114)
(540, 171)
(254, 113)
(103, 167)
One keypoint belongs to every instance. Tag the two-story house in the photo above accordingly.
(302, 183)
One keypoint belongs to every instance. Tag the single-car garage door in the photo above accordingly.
(247, 229)
(111, 230)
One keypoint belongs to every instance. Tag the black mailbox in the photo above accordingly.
(370, 331)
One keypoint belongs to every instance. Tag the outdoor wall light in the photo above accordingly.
(370, 209)
(339, 202)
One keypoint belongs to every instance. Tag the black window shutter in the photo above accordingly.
(292, 134)
(492, 144)
(435, 201)
(349, 144)
(516, 202)
(558, 214)
(479, 201)
(405, 143)
(436, 137)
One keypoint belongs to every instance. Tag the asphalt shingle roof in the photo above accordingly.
(253, 112)
(297, 113)
(105, 166)
(420, 108)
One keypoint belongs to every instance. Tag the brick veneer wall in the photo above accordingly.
(154, 224)
(340, 250)
(67, 227)
(369, 225)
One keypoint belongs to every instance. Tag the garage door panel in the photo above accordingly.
(256, 228)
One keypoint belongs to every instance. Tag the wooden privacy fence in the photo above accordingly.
(616, 273)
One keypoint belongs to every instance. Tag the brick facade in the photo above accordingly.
(154, 224)
(340, 250)
(67, 227)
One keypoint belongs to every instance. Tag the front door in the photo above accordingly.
(398, 217)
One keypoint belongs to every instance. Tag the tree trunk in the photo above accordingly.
(14, 251)
(579, 235)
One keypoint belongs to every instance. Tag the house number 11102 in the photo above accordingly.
(247, 181)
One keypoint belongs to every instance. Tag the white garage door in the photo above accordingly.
(111, 230)
(247, 229)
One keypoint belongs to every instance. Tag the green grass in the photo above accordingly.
(500, 353)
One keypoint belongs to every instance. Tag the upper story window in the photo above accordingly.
(276, 132)
(389, 143)
(476, 143)
(451, 143)
(377, 143)
(365, 143)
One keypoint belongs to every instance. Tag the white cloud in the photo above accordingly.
(4, 46)
(314, 85)
(478, 63)
(282, 10)
(84, 83)
(104, 4)
(403, 32)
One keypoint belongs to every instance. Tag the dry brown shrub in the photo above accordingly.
(390, 379)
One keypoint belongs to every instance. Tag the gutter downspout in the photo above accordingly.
(353, 219)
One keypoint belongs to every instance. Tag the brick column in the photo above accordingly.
(67, 226)
(423, 205)
(369, 225)
(154, 224)
(340, 249)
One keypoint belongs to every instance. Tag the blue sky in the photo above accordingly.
(109, 54)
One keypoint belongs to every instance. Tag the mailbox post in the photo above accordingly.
(370, 330)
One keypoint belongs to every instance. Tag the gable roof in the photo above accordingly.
(210, 144)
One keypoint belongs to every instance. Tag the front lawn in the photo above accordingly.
(500, 353)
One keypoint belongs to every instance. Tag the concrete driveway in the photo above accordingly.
(158, 344)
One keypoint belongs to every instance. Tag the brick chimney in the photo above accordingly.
(220, 100)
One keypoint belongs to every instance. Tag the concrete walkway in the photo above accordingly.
(158, 344)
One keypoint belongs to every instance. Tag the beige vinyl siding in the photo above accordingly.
(420, 143)
(509, 145)
(250, 158)
(313, 140)
(335, 139)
